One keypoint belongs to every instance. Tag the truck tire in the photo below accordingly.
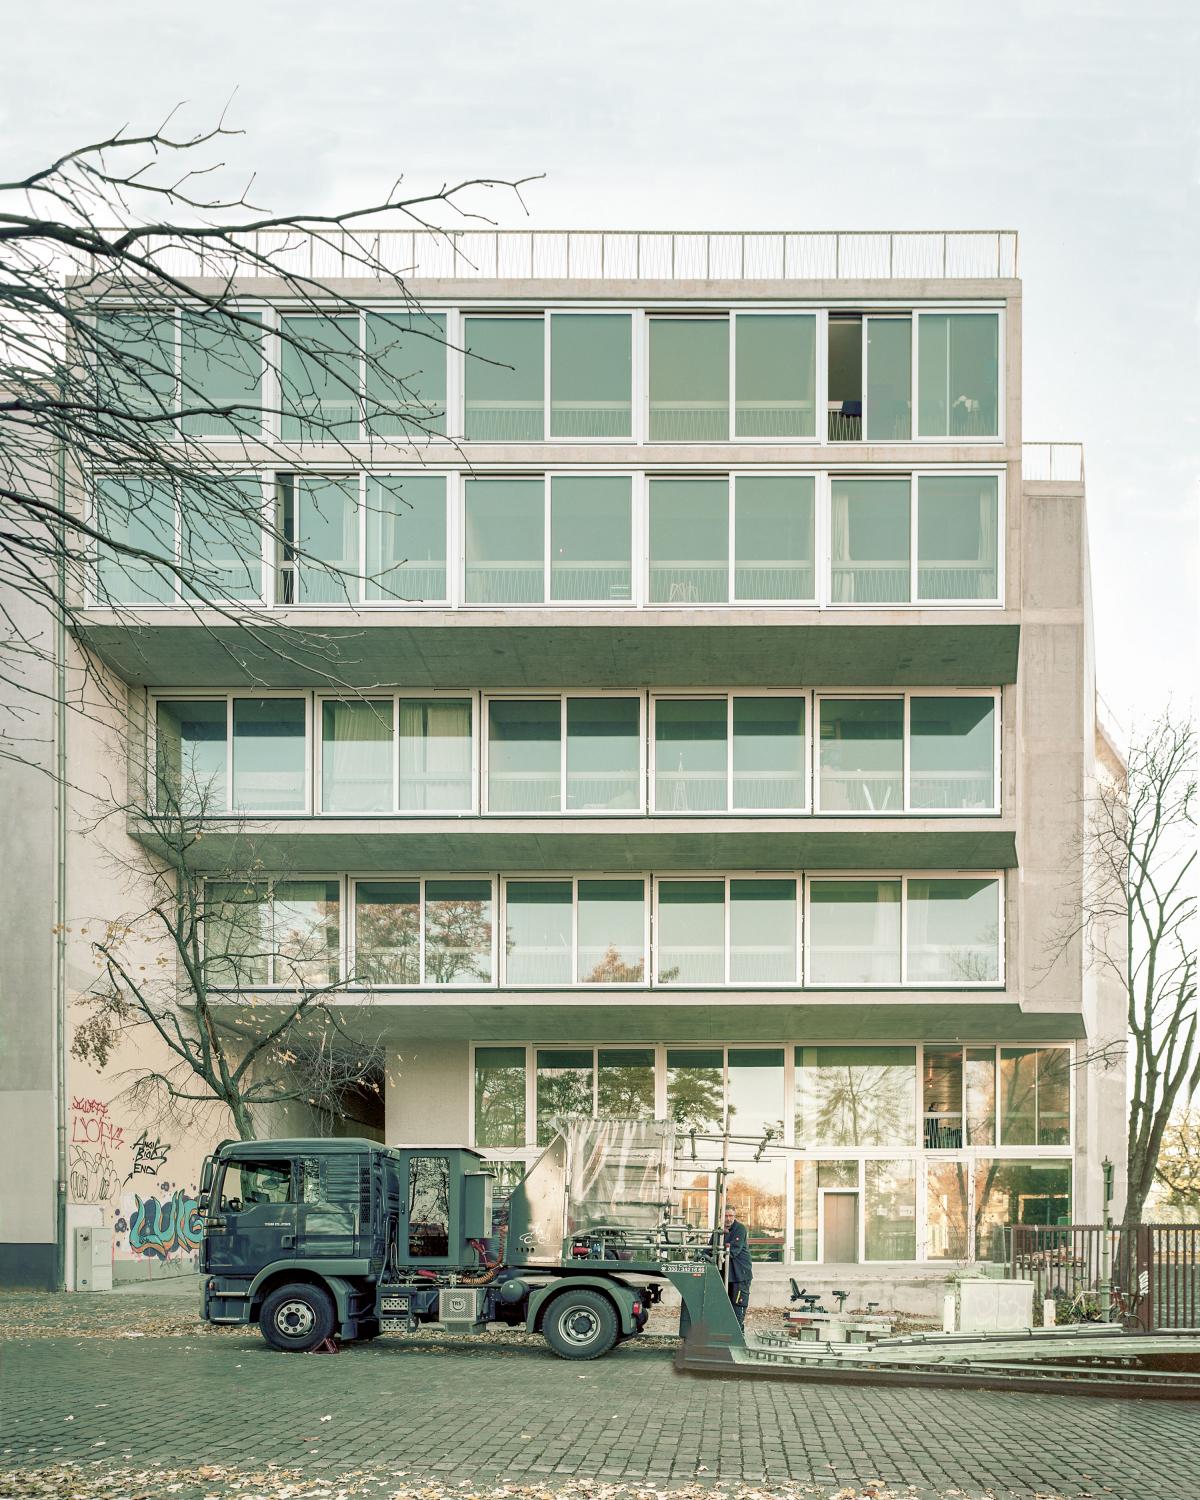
(297, 1317)
(580, 1325)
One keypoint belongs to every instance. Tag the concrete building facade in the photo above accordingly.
(707, 737)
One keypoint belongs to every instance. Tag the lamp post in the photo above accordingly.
(1106, 1245)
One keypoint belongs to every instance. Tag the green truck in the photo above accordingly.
(316, 1239)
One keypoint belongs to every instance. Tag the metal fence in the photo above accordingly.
(1154, 1269)
(1060, 463)
(611, 254)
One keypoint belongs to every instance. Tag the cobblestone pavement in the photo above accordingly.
(443, 1410)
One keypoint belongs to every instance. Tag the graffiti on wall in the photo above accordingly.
(149, 1156)
(94, 1176)
(162, 1227)
(92, 1125)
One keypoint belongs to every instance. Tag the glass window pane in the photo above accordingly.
(952, 753)
(947, 1210)
(625, 1083)
(1018, 1192)
(135, 364)
(889, 379)
(959, 375)
(591, 375)
(435, 755)
(773, 537)
(269, 755)
(135, 514)
(942, 1098)
(356, 757)
(689, 541)
(958, 536)
(326, 541)
(768, 753)
(505, 379)
(387, 931)
(861, 754)
(221, 367)
(762, 931)
(524, 764)
(1054, 1096)
(756, 1105)
(612, 932)
(845, 389)
(776, 375)
(220, 546)
(505, 541)
(499, 1096)
(696, 1090)
(981, 1096)
(890, 1209)
(856, 1096)
(804, 1210)
(1035, 1099)
(406, 538)
(690, 750)
(953, 931)
(405, 374)
(591, 537)
(537, 932)
(190, 742)
(458, 932)
(691, 932)
(689, 380)
(757, 1190)
(307, 939)
(603, 754)
(869, 541)
(854, 932)
(320, 360)
(564, 1089)
(237, 934)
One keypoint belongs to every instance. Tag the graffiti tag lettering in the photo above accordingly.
(148, 1156)
(160, 1229)
(94, 1178)
(91, 1126)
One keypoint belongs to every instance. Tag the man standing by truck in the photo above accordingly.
(739, 1270)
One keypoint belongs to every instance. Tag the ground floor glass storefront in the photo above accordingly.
(838, 1154)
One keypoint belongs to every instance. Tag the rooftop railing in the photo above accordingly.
(615, 254)
(1058, 463)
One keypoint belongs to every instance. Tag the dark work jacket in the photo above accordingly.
(737, 1245)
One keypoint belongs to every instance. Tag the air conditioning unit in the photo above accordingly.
(460, 1309)
(93, 1259)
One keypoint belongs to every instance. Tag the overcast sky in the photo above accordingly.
(1075, 124)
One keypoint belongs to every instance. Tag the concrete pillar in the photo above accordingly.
(427, 1094)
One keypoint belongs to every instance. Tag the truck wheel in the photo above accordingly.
(297, 1317)
(580, 1325)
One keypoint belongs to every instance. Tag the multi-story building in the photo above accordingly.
(726, 765)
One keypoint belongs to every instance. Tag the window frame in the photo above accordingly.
(487, 698)
(726, 983)
(677, 695)
(228, 697)
(575, 983)
(999, 311)
(271, 881)
(422, 881)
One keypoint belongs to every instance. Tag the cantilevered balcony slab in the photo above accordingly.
(634, 844)
(543, 648)
(687, 1016)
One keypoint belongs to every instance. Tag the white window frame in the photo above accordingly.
(271, 882)
(706, 312)
(814, 599)
(566, 310)
(729, 695)
(949, 309)
(422, 882)
(229, 697)
(539, 313)
(726, 982)
(562, 698)
(575, 983)
(799, 311)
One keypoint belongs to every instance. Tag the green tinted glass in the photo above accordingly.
(405, 374)
(861, 754)
(505, 523)
(135, 364)
(890, 1209)
(690, 754)
(958, 536)
(776, 375)
(625, 1083)
(500, 1096)
(854, 932)
(564, 1089)
(689, 541)
(773, 537)
(612, 932)
(958, 360)
(889, 379)
(138, 517)
(435, 755)
(357, 757)
(762, 932)
(221, 368)
(591, 374)
(952, 753)
(855, 1096)
(269, 755)
(591, 537)
(691, 932)
(689, 379)
(458, 932)
(326, 540)
(220, 540)
(190, 743)
(603, 754)
(768, 753)
(537, 931)
(406, 537)
(387, 932)
(524, 766)
(953, 931)
(869, 541)
(320, 361)
(504, 379)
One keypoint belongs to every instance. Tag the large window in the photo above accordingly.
(774, 544)
(689, 380)
(565, 1089)
(625, 1083)
(318, 549)
(319, 377)
(907, 753)
(284, 932)
(958, 375)
(504, 541)
(869, 541)
(405, 374)
(913, 930)
(270, 755)
(591, 538)
(574, 931)
(695, 771)
(689, 541)
(504, 379)
(220, 541)
(357, 756)
(137, 563)
(575, 754)
(856, 1096)
(591, 375)
(775, 374)
(889, 379)
(406, 538)
(958, 541)
(500, 1096)
(451, 920)
(192, 741)
(726, 931)
(220, 368)
(1035, 1096)
(435, 755)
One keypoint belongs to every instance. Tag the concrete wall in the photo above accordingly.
(426, 1100)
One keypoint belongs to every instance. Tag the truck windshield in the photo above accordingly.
(249, 1182)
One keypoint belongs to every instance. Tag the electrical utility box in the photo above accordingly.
(460, 1309)
(93, 1259)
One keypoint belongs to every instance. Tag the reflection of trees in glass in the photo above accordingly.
(696, 1097)
(562, 1093)
(857, 1102)
(974, 963)
(458, 940)
(613, 969)
(761, 1205)
(626, 1090)
(891, 1210)
(500, 1096)
(388, 942)
(1035, 1096)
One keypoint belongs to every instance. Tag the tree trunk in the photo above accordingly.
(243, 1119)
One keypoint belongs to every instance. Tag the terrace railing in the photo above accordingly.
(1058, 463)
(616, 254)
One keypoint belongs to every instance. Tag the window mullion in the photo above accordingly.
(421, 931)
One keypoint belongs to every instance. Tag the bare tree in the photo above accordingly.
(235, 976)
(130, 341)
(1178, 1168)
(1137, 918)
